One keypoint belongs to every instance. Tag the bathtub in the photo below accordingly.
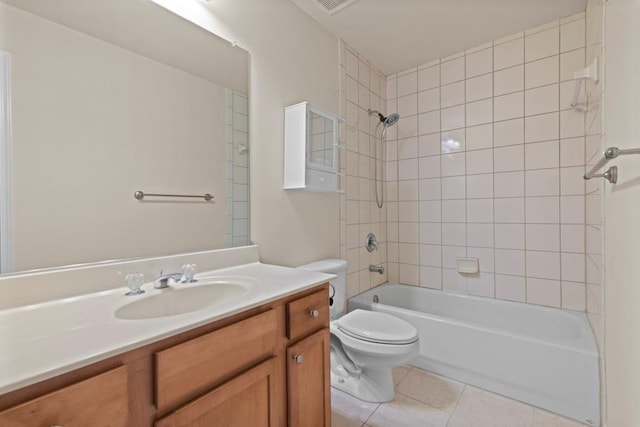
(542, 356)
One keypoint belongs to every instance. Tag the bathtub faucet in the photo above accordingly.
(376, 268)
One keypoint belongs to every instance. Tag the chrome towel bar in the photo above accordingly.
(139, 195)
(611, 174)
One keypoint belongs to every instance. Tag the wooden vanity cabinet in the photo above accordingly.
(236, 372)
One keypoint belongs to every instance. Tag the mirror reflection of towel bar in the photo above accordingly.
(139, 195)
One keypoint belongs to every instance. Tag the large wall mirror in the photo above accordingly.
(107, 97)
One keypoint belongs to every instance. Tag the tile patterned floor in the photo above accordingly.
(424, 399)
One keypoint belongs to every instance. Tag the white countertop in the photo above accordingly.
(47, 339)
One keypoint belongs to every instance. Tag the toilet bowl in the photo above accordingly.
(365, 345)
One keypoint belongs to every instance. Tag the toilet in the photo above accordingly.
(365, 345)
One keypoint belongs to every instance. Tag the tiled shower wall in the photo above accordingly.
(237, 169)
(487, 162)
(362, 87)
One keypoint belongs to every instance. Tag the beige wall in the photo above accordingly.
(92, 123)
(622, 210)
(293, 59)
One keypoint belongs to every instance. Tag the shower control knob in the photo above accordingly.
(314, 313)
(298, 358)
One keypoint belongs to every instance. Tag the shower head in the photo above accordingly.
(390, 120)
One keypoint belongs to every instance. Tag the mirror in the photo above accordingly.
(110, 97)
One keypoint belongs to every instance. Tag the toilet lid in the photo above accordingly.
(377, 327)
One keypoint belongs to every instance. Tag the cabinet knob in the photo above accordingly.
(314, 313)
(298, 358)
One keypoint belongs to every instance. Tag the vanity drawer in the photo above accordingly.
(308, 314)
(190, 369)
(98, 401)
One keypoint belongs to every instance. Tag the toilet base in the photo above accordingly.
(372, 385)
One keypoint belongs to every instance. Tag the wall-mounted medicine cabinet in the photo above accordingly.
(310, 148)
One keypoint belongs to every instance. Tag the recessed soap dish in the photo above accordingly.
(468, 265)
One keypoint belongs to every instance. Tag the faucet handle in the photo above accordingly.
(188, 271)
(134, 282)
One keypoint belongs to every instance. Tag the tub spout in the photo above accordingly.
(376, 269)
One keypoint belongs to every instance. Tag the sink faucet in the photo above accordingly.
(162, 281)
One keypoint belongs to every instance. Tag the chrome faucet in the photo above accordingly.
(162, 281)
(376, 269)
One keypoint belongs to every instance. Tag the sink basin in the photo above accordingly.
(184, 298)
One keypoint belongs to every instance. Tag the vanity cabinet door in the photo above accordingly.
(99, 401)
(309, 382)
(246, 400)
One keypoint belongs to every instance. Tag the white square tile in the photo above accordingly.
(507, 107)
(436, 391)
(543, 292)
(431, 277)
(544, 127)
(429, 145)
(453, 211)
(479, 161)
(480, 62)
(452, 71)
(572, 267)
(479, 112)
(541, 155)
(352, 90)
(572, 209)
(508, 80)
(429, 100)
(452, 141)
(482, 285)
(408, 190)
(543, 265)
(480, 235)
(430, 233)
(485, 258)
(407, 84)
(429, 167)
(409, 274)
(363, 97)
(541, 100)
(510, 261)
(509, 236)
(543, 210)
(431, 211)
(479, 137)
(391, 171)
(452, 281)
(542, 44)
(363, 74)
(408, 211)
(452, 118)
(480, 210)
(347, 405)
(542, 182)
(454, 234)
(408, 105)
(450, 255)
(479, 186)
(510, 288)
(429, 189)
(407, 127)
(453, 164)
(453, 187)
(428, 122)
(572, 35)
(431, 255)
(509, 54)
(572, 238)
(509, 158)
(573, 298)
(480, 87)
(509, 132)
(572, 152)
(452, 94)
(543, 72)
(392, 88)
(510, 210)
(509, 184)
(408, 253)
(571, 62)
(429, 78)
(571, 181)
(571, 124)
(543, 237)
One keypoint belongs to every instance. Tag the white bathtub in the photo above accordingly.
(542, 356)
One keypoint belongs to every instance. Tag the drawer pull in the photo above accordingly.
(314, 313)
(298, 358)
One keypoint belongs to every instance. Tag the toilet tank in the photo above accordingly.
(338, 286)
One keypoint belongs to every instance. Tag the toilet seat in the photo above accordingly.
(376, 327)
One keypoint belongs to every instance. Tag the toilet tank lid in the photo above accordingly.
(326, 266)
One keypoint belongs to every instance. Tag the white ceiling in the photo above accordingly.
(398, 34)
